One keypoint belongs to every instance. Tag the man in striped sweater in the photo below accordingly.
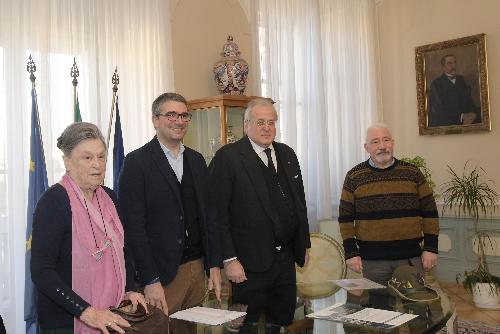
(387, 214)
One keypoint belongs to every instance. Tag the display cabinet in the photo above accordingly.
(217, 120)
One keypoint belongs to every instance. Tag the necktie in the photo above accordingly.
(270, 163)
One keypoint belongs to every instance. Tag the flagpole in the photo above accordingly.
(31, 68)
(75, 73)
(115, 80)
(37, 186)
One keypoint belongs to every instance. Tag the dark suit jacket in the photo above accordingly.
(153, 215)
(244, 210)
(448, 101)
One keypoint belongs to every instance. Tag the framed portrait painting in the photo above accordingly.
(452, 86)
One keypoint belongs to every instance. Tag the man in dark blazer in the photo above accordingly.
(169, 214)
(262, 217)
(450, 100)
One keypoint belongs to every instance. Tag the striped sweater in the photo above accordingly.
(385, 214)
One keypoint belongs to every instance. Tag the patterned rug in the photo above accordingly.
(474, 327)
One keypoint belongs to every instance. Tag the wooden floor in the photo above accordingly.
(465, 306)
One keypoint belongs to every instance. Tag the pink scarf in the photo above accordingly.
(100, 282)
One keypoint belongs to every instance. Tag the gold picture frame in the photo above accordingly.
(452, 86)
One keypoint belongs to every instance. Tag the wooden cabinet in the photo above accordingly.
(217, 120)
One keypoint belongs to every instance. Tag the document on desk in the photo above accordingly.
(358, 315)
(207, 316)
(357, 284)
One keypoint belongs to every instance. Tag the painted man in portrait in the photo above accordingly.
(450, 100)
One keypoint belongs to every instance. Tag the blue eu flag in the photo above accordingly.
(118, 151)
(37, 185)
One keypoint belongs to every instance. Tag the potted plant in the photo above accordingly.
(419, 162)
(470, 195)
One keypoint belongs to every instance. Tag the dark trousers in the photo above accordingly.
(272, 293)
(56, 331)
(380, 271)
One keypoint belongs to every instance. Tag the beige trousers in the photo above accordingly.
(185, 291)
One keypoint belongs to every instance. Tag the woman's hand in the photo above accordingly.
(103, 319)
(136, 298)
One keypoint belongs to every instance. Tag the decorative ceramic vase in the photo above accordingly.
(231, 71)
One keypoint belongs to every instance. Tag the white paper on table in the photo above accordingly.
(378, 316)
(208, 316)
(357, 284)
(364, 315)
(405, 317)
(326, 312)
(374, 315)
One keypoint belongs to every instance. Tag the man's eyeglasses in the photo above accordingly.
(262, 122)
(173, 116)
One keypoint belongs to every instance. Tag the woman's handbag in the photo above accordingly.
(154, 322)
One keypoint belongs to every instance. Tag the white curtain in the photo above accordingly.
(316, 59)
(132, 35)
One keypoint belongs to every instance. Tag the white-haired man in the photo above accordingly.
(386, 210)
(262, 216)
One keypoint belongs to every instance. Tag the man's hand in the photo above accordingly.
(103, 319)
(355, 264)
(234, 271)
(136, 298)
(468, 118)
(214, 281)
(429, 260)
(156, 296)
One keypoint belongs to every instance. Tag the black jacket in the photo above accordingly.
(448, 101)
(244, 208)
(57, 303)
(152, 211)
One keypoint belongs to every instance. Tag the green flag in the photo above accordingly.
(78, 116)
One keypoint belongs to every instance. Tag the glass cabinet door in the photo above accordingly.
(203, 133)
(216, 121)
(234, 124)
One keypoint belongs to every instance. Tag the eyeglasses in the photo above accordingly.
(262, 122)
(173, 116)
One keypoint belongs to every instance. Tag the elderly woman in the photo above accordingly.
(78, 262)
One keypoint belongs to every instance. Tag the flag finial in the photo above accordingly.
(115, 80)
(31, 68)
(74, 72)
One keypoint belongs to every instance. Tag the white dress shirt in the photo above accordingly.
(176, 162)
(262, 155)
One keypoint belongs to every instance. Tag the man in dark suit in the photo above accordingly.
(450, 100)
(262, 217)
(168, 212)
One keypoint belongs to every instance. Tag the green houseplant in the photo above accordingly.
(471, 195)
(419, 162)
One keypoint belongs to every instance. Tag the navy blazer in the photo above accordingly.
(244, 210)
(152, 211)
